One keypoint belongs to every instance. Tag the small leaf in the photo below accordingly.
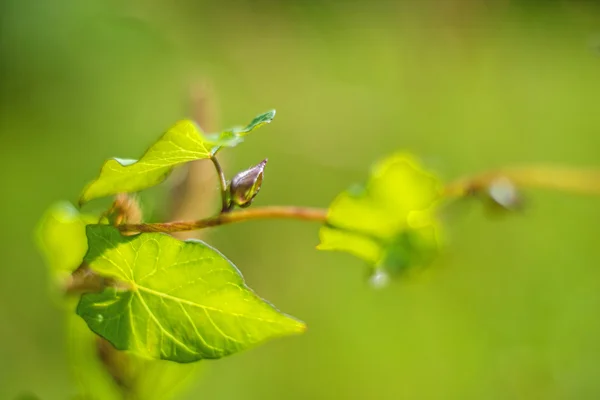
(245, 185)
(390, 221)
(182, 143)
(61, 237)
(233, 136)
(185, 301)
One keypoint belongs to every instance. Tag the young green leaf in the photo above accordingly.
(61, 238)
(183, 301)
(183, 143)
(390, 221)
(234, 136)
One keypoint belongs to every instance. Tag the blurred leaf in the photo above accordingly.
(92, 377)
(60, 235)
(389, 222)
(185, 301)
(183, 143)
(159, 379)
(94, 361)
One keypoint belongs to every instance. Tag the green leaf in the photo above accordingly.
(389, 222)
(61, 237)
(183, 143)
(102, 372)
(184, 301)
(234, 136)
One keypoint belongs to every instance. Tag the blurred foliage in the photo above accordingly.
(510, 313)
(390, 221)
(97, 367)
(61, 238)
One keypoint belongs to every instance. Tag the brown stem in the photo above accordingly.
(271, 212)
(551, 177)
(189, 197)
(584, 181)
(83, 280)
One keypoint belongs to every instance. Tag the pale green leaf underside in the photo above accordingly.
(183, 143)
(187, 301)
(358, 245)
(61, 237)
(372, 222)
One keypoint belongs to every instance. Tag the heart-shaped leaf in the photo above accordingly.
(183, 143)
(179, 301)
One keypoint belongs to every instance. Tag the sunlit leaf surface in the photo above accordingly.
(182, 143)
(184, 301)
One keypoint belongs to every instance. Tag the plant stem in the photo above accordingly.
(270, 212)
(542, 176)
(189, 198)
(225, 203)
(583, 181)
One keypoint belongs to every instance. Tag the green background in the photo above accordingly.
(511, 309)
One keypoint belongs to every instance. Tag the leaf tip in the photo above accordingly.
(299, 327)
(84, 196)
(303, 327)
(264, 118)
(269, 115)
(293, 325)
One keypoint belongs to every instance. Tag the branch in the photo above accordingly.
(551, 177)
(189, 198)
(583, 181)
(270, 212)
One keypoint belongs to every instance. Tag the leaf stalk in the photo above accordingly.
(225, 201)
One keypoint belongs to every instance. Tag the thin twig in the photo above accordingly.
(190, 198)
(583, 181)
(270, 212)
(551, 177)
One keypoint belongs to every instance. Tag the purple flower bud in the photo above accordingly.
(246, 184)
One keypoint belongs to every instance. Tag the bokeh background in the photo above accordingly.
(511, 311)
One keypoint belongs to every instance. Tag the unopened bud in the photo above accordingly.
(504, 194)
(246, 184)
(379, 278)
